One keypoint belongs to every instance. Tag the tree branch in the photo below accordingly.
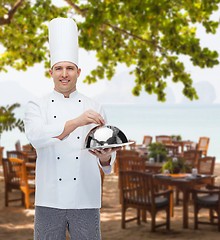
(83, 13)
(11, 13)
(74, 6)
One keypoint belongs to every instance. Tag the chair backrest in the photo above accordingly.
(18, 146)
(135, 163)
(19, 169)
(126, 153)
(147, 140)
(133, 145)
(172, 150)
(1, 154)
(164, 139)
(136, 188)
(203, 145)
(17, 154)
(191, 157)
(206, 165)
(7, 170)
(28, 148)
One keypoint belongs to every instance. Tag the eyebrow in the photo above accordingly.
(65, 66)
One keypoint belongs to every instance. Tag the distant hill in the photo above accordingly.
(119, 91)
(12, 92)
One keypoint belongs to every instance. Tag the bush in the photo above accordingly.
(158, 152)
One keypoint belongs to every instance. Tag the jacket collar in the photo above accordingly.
(61, 96)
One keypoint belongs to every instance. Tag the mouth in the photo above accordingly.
(64, 82)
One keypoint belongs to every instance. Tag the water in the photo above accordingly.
(189, 122)
(139, 120)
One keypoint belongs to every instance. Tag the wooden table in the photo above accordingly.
(185, 184)
(182, 144)
(154, 167)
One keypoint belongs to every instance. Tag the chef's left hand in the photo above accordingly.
(104, 155)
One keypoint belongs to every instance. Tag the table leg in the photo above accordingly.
(185, 208)
(171, 202)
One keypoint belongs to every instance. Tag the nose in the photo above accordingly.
(64, 73)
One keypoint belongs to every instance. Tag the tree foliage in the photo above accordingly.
(8, 121)
(147, 35)
(24, 35)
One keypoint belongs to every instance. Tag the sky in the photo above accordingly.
(18, 86)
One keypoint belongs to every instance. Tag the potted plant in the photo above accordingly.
(158, 152)
(176, 137)
(8, 121)
(176, 165)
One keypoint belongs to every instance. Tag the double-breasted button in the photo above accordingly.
(79, 100)
(74, 178)
(54, 116)
(60, 179)
(77, 157)
(78, 137)
(52, 100)
(58, 158)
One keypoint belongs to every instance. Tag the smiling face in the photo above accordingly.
(65, 76)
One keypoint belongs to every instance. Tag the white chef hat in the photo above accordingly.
(63, 40)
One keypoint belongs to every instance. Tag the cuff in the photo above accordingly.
(107, 169)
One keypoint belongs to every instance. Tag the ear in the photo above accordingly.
(51, 72)
(78, 71)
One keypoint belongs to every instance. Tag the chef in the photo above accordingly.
(68, 183)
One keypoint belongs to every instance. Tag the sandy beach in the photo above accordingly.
(16, 223)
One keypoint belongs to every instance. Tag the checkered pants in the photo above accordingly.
(51, 224)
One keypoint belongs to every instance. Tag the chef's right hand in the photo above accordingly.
(89, 117)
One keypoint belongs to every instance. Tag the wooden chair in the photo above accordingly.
(209, 199)
(147, 140)
(164, 139)
(206, 165)
(133, 145)
(203, 145)
(17, 154)
(123, 153)
(26, 183)
(30, 151)
(28, 148)
(11, 182)
(172, 150)
(1, 154)
(139, 147)
(191, 157)
(18, 145)
(135, 163)
(137, 191)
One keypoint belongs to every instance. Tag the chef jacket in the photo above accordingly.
(67, 177)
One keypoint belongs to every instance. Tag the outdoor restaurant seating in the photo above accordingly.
(147, 140)
(209, 199)
(11, 182)
(17, 154)
(164, 139)
(133, 145)
(18, 145)
(26, 182)
(206, 165)
(203, 145)
(121, 153)
(190, 157)
(135, 163)
(129, 163)
(137, 191)
(30, 151)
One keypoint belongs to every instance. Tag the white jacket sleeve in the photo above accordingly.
(37, 131)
